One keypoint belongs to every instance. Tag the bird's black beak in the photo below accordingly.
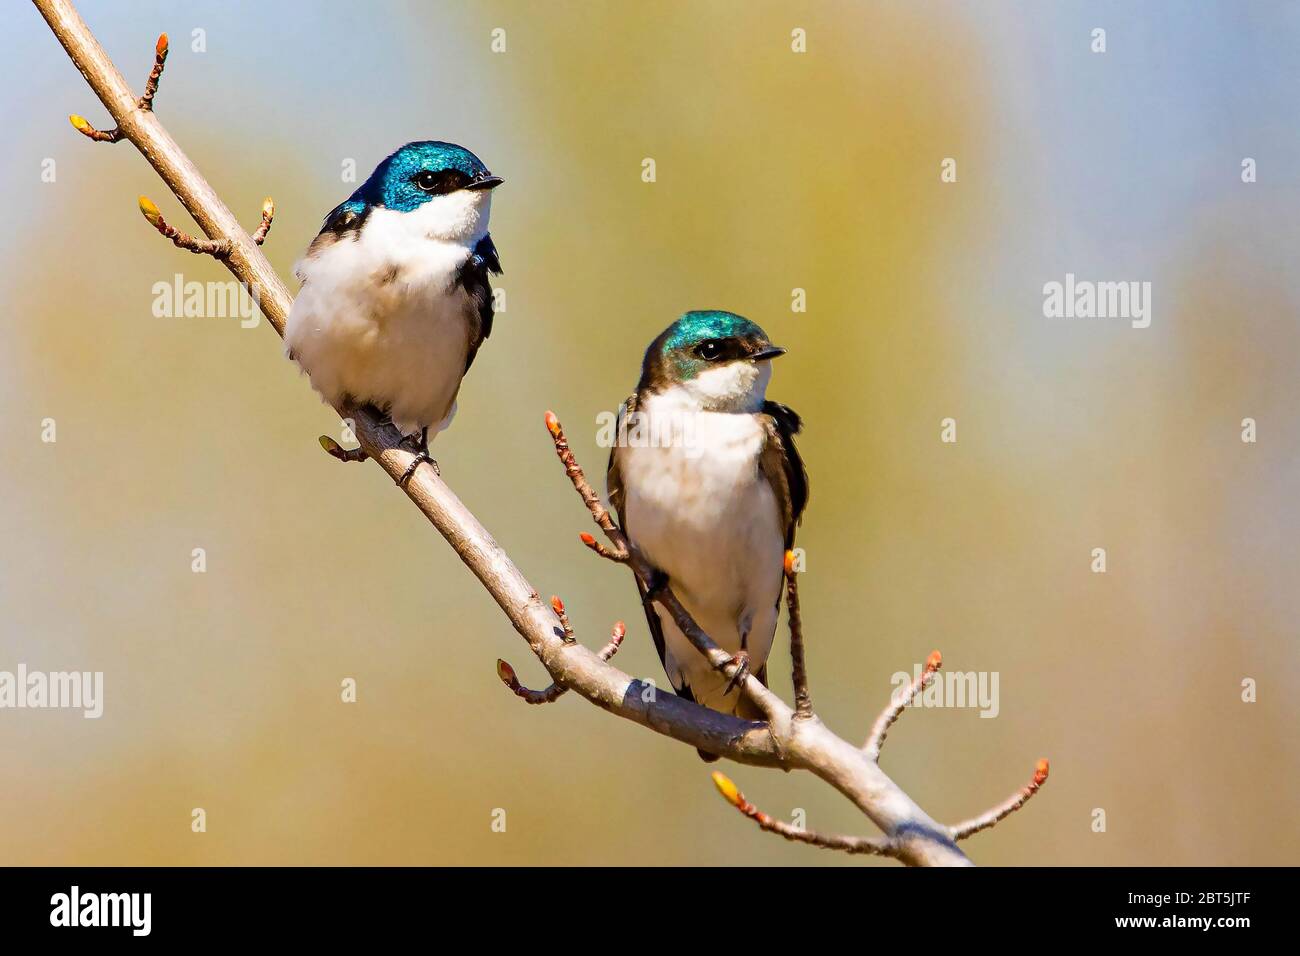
(485, 181)
(767, 352)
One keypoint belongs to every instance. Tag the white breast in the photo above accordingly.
(706, 516)
(380, 319)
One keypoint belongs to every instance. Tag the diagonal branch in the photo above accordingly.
(909, 834)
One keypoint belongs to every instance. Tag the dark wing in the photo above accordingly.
(613, 481)
(783, 467)
(473, 278)
(614, 485)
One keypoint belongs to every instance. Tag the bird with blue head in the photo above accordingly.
(709, 487)
(396, 299)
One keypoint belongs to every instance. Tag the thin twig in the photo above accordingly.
(82, 125)
(145, 102)
(558, 607)
(599, 513)
(618, 557)
(875, 846)
(556, 690)
(898, 703)
(1009, 806)
(268, 213)
(341, 453)
(151, 84)
(799, 673)
(217, 248)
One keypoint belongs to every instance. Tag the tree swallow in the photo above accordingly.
(395, 299)
(708, 485)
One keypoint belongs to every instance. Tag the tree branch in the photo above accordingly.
(781, 741)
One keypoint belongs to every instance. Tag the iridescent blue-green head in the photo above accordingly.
(446, 186)
(418, 173)
(720, 360)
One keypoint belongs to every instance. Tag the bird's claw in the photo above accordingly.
(420, 458)
(741, 660)
(418, 443)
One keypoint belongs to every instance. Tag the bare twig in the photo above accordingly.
(898, 703)
(875, 846)
(217, 248)
(341, 453)
(599, 514)
(1004, 809)
(556, 690)
(558, 607)
(151, 84)
(145, 103)
(82, 125)
(618, 557)
(909, 833)
(268, 213)
(799, 673)
(546, 695)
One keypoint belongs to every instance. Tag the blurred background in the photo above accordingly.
(775, 170)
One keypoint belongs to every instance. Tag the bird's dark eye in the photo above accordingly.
(709, 349)
(441, 182)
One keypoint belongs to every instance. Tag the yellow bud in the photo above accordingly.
(329, 444)
(268, 208)
(79, 123)
(728, 789)
(150, 211)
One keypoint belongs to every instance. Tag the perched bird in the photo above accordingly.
(395, 299)
(708, 485)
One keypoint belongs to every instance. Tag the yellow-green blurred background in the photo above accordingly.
(776, 170)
